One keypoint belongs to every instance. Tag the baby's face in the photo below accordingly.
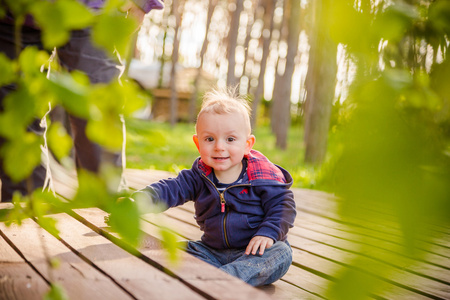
(223, 140)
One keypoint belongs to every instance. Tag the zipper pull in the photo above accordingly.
(222, 203)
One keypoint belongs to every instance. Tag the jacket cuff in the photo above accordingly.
(268, 232)
(148, 5)
(147, 201)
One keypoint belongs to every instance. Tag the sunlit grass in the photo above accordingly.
(158, 146)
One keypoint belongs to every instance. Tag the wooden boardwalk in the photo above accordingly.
(92, 266)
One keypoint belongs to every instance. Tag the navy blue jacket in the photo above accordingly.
(261, 204)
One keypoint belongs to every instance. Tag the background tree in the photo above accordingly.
(177, 9)
(193, 100)
(165, 27)
(283, 84)
(266, 38)
(320, 84)
(252, 15)
(232, 42)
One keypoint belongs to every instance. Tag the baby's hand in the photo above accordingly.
(260, 242)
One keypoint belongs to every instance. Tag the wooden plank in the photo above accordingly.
(197, 274)
(328, 268)
(401, 287)
(75, 275)
(138, 179)
(283, 290)
(17, 279)
(311, 283)
(435, 262)
(379, 220)
(357, 233)
(140, 279)
(389, 258)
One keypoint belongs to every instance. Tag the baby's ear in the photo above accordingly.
(249, 144)
(195, 138)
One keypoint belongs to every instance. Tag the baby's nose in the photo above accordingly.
(219, 145)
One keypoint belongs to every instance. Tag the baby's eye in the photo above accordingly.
(231, 139)
(209, 139)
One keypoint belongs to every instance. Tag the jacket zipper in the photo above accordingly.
(222, 202)
(223, 207)
(225, 228)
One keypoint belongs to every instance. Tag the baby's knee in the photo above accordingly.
(283, 248)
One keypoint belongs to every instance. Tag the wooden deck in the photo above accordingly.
(92, 266)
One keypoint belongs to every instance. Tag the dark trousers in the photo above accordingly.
(77, 54)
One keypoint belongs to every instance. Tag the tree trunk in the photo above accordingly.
(277, 89)
(232, 43)
(253, 15)
(285, 80)
(162, 59)
(193, 100)
(320, 86)
(269, 11)
(176, 8)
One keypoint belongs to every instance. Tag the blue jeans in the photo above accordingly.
(256, 270)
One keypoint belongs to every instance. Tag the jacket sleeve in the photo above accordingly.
(167, 193)
(280, 212)
(148, 5)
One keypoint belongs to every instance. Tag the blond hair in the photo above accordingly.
(225, 101)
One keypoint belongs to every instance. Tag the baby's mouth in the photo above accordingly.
(220, 158)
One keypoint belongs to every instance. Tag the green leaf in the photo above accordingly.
(105, 126)
(71, 91)
(58, 19)
(439, 16)
(7, 75)
(124, 219)
(19, 7)
(92, 190)
(49, 224)
(76, 14)
(106, 132)
(21, 156)
(352, 284)
(18, 113)
(353, 30)
(18, 212)
(169, 242)
(59, 141)
(393, 23)
(31, 60)
(134, 98)
(56, 292)
(113, 32)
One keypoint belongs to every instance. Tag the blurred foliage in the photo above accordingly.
(33, 91)
(56, 292)
(390, 160)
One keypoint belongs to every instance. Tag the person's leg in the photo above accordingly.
(260, 270)
(30, 37)
(203, 252)
(80, 54)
